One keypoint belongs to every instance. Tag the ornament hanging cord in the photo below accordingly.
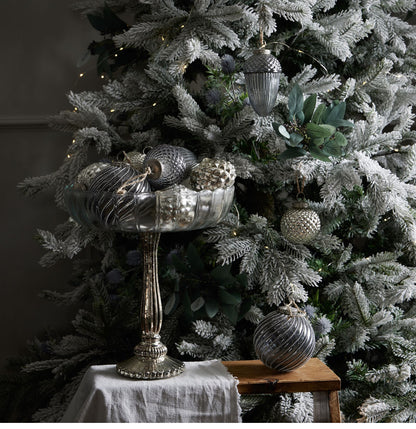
(300, 187)
(135, 179)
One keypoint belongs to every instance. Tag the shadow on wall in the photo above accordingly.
(48, 40)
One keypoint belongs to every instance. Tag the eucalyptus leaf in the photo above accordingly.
(231, 312)
(295, 101)
(334, 112)
(171, 304)
(317, 115)
(323, 130)
(309, 107)
(340, 139)
(300, 117)
(342, 123)
(331, 147)
(223, 275)
(291, 152)
(295, 139)
(229, 297)
(318, 154)
(211, 307)
(244, 308)
(197, 304)
(284, 132)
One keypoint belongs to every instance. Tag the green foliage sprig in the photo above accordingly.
(205, 291)
(313, 129)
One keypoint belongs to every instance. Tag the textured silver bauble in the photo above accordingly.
(176, 208)
(85, 176)
(135, 159)
(284, 339)
(212, 174)
(300, 224)
(167, 164)
(262, 75)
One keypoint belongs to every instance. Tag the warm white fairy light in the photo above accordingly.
(81, 75)
(154, 104)
(112, 110)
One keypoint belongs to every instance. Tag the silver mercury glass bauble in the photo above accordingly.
(168, 166)
(300, 224)
(85, 176)
(262, 75)
(284, 339)
(212, 174)
(135, 159)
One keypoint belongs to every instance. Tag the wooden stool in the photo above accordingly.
(254, 378)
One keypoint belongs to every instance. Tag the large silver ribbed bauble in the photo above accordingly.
(262, 75)
(284, 340)
(168, 164)
(105, 202)
(212, 174)
(300, 224)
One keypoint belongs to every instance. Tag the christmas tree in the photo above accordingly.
(339, 134)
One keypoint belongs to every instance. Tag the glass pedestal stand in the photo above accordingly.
(150, 360)
(149, 214)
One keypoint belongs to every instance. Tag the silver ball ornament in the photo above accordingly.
(284, 339)
(300, 224)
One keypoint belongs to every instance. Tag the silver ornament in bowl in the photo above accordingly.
(262, 74)
(284, 339)
(212, 174)
(300, 224)
(169, 165)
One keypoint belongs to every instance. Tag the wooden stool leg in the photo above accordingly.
(334, 411)
(326, 407)
(321, 407)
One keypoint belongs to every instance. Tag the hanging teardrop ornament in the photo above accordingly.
(262, 73)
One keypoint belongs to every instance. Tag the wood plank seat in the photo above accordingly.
(254, 378)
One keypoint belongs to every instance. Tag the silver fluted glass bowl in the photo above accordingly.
(174, 209)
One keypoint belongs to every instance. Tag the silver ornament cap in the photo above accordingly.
(262, 74)
(300, 224)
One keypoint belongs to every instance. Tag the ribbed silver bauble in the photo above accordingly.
(85, 176)
(104, 201)
(212, 174)
(262, 75)
(284, 340)
(300, 224)
(169, 165)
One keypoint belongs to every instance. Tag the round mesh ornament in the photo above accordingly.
(167, 164)
(85, 176)
(284, 339)
(262, 76)
(212, 174)
(300, 224)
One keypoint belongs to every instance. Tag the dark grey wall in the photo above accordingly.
(41, 43)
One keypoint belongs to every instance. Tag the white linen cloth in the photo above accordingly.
(204, 393)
